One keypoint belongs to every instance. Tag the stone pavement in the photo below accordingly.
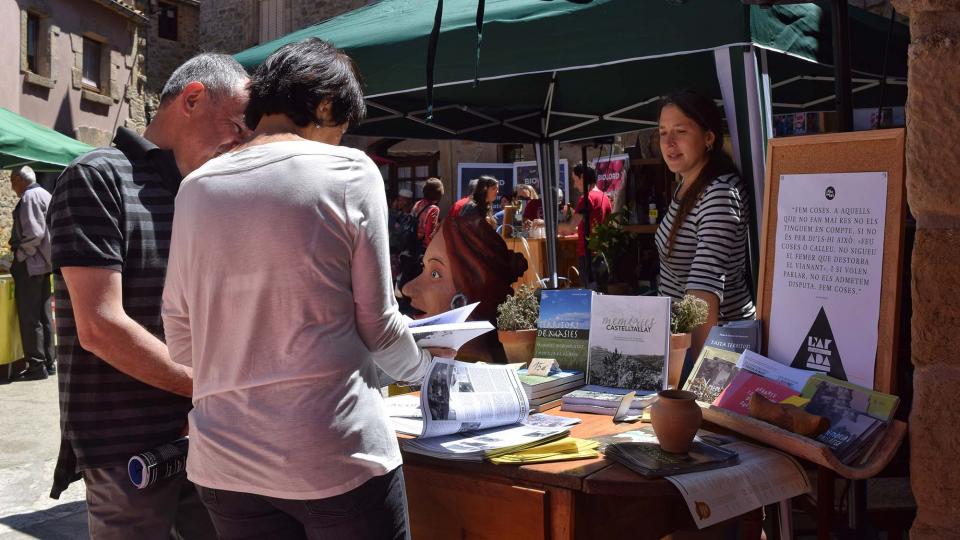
(29, 441)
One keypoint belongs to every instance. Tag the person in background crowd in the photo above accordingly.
(593, 203)
(481, 202)
(398, 220)
(458, 206)
(702, 239)
(30, 243)
(498, 216)
(427, 212)
(288, 436)
(120, 393)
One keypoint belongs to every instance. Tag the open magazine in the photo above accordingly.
(471, 412)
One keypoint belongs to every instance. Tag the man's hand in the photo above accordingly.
(105, 329)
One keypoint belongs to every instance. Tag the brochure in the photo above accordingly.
(714, 370)
(736, 397)
(603, 396)
(629, 342)
(563, 330)
(648, 459)
(773, 370)
(828, 397)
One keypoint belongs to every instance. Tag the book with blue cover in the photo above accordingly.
(563, 330)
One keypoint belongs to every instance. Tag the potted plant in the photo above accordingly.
(685, 315)
(517, 324)
(609, 242)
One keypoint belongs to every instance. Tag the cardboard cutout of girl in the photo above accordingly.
(467, 262)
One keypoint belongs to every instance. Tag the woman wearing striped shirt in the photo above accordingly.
(702, 239)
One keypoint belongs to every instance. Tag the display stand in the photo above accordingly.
(871, 151)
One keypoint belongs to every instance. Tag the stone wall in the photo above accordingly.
(8, 199)
(233, 25)
(933, 159)
(164, 55)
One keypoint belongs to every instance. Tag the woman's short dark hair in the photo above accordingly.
(433, 190)
(296, 78)
(588, 173)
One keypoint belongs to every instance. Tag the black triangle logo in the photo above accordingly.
(818, 352)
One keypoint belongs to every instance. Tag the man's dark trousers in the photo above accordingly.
(32, 294)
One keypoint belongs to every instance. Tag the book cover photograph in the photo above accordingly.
(563, 330)
(714, 370)
(629, 342)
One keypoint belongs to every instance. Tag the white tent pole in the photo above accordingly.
(721, 58)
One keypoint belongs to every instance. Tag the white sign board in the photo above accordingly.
(826, 282)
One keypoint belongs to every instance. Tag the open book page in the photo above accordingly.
(450, 336)
(459, 397)
(763, 476)
(453, 316)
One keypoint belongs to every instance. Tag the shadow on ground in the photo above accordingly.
(67, 521)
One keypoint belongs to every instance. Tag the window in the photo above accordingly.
(167, 23)
(274, 19)
(33, 43)
(92, 53)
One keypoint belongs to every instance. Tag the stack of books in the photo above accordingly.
(602, 400)
(544, 392)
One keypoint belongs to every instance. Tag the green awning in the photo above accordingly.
(567, 70)
(23, 142)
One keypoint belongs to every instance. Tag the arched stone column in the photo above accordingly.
(933, 191)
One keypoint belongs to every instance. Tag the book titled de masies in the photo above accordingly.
(563, 330)
(629, 342)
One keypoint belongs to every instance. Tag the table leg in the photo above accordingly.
(561, 518)
(825, 481)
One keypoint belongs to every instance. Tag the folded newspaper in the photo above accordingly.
(470, 412)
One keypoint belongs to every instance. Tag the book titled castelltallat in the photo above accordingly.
(629, 342)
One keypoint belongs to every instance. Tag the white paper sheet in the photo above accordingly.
(763, 476)
(826, 276)
(775, 371)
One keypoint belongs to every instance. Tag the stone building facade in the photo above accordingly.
(173, 36)
(233, 25)
(933, 159)
(72, 65)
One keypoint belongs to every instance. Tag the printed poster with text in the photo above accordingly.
(826, 282)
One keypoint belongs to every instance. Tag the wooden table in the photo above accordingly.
(584, 499)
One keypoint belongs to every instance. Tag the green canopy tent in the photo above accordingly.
(549, 71)
(23, 142)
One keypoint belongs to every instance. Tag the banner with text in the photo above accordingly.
(825, 304)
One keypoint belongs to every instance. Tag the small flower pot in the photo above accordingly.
(518, 345)
(679, 343)
(676, 418)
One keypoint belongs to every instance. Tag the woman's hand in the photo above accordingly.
(442, 352)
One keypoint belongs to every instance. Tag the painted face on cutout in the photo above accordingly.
(683, 143)
(432, 291)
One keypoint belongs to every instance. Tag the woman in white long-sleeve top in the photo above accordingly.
(278, 294)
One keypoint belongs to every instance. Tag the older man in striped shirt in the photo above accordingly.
(111, 218)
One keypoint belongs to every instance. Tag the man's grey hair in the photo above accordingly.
(220, 74)
(27, 175)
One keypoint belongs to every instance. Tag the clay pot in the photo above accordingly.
(676, 418)
(518, 345)
(679, 343)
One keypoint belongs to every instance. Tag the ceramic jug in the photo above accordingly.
(676, 418)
